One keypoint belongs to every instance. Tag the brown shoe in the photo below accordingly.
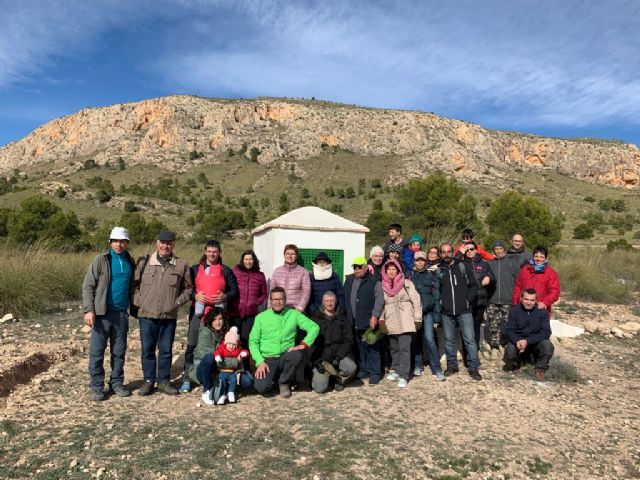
(146, 389)
(285, 391)
(539, 374)
(166, 388)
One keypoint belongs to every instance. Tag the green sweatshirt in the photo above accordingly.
(275, 333)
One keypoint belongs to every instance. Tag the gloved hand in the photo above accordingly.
(218, 359)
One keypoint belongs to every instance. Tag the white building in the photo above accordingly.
(311, 229)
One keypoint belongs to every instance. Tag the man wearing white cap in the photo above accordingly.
(106, 292)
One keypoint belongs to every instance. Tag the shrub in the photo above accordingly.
(103, 195)
(89, 164)
(583, 231)
(130, 206)
(243, 149)
(589, 199)
(60, 192)
(220, 223)
(121, 164)
(377, 204)
(254, 153)
(607, 204)
(141, 231)
(304, 193)
(349, 192)
(376, 183)
(620, 244)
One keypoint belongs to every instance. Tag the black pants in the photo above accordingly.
(538, 353)
(281, 370)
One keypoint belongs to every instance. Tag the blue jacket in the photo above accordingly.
(318, 289)
(530, 325)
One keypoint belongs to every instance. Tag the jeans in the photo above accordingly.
(156, 333)
(400, 346)
(464, 322)
(229, 382)
(538, 353)
(207, 369)
(113, 328)
(192, 340)
(281, 370)
(370, 358)
(432, 348)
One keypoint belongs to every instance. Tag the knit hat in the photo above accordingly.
(232, 336)
(395, 247)
(499, 243)
(119, 233)
(415, 238)
(359, 261)
(420, 254)
(375, 249)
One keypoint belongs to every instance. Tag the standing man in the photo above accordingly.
(214, 285)
(528, 331)
(163, 284)
(395, 237)
(457, 292)
(293, 278)
(517, 250)
(106, 291)
(505, 270)
(272, 343)
(364, 301)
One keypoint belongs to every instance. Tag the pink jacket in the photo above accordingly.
(296, 283)
(252, 292)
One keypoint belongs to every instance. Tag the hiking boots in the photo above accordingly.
(97, 395)
(539, 374)
(285, 390)
(475, 375)
(451, 371)
(167, 389)
(120, 391)
(338, 387)
(146, 389)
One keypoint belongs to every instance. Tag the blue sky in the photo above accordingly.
(569, 68)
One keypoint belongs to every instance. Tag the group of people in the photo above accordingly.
(309, 327)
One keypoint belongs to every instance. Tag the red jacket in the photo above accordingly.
(252, 292)
(481, 251)
(545, 283)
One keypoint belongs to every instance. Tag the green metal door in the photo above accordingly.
(306, 256)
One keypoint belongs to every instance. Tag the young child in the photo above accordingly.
(229, 356)
(414, 245)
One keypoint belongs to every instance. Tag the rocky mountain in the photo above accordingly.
(176, 132)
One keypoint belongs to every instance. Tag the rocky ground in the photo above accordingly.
(582, 423)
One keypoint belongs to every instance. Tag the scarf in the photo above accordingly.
(538, 268)
(392, 287)
(322, 273)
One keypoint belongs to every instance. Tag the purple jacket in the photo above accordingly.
(296, 284)
(252, 292)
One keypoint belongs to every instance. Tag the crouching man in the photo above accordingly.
(272, 343)
(528, 332)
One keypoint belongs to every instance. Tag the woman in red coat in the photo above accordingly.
(252, 292)
(537, 274)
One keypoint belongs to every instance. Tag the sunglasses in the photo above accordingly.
(358, 267)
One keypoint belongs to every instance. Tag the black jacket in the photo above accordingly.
(458, 287)
(481, 269)
(530, 325)
(365, 300)
(335, 338)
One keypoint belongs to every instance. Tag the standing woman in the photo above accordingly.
(537, 274)
(402, 311)
(252, 293)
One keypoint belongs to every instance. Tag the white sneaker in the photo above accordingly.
(440, 376)
(417, 372)
(232, 397)
(402, 383)
(222, 400)
(393, 376)
(206, 398)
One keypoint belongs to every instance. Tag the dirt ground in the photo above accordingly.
(581, 424)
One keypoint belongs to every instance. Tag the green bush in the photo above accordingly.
(141, 231)
(620, 244)
(220, 223)
(254, 153)
(583, 231)
(610, 204)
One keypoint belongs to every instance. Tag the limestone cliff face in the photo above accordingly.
(164, 131)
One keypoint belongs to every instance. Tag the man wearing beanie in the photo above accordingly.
(106, 290)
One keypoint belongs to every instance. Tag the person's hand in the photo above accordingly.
(486, 281)
(262, 371)
(219, 297)
(297, 347)
(542, 306)
(89, 318)
(201, 297)
(373, 322)
(521, 345)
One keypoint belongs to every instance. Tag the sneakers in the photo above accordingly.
(539, 374)
(440, 376)
(451, 371)
(221, 400)
(393, 376)
(120, 391)
(185, 387)
(231, 397)
(285, 391)
(206, 398)
(475, 375)
(146, 389)
(167, 389)
(98, 395)
(402, 383)
(417, 372)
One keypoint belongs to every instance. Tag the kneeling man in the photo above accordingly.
(528, 331)
(272, 343)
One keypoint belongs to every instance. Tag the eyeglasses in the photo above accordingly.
(357, 267)
(471, 249)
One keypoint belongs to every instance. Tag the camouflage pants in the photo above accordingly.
(496, 320)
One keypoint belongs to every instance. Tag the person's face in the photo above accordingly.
(466, 238)
(420, 263)
(218, 323)
(517, 242)
(358, 270)
(322, 263)
(446, 252)
(392, 272)
(393, 234)
(433, 255)
(415, 245)
(329, 303)
(165, 249)
(119, 246)
(394, 255)
(539, 258)
(290, 257)
(212, 254)
(278, 301)
(499, 252)
(247, 261)
(230, 346)
(529, 300)
(471, 252)
(377, 258)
